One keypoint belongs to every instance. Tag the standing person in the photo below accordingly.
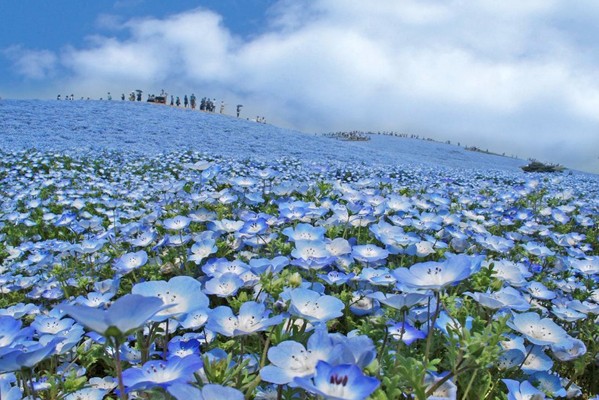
(192, 100)
(239, 109)
(203, 104)
(178, 102)
(185, 101)
(222, 107)
(123, 97)
(172, 100)
(109, 97)
(58, 97)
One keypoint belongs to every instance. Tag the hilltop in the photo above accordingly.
(153, 129)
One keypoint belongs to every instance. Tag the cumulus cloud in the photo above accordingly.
(31, 64)
(512, 76)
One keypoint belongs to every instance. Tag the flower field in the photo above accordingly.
(134, 265)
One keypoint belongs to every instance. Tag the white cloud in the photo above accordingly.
(512, 76)
(31, 64)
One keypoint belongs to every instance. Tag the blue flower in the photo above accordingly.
(126, 315)
(369, 253)
(177, 223)
(538, 331)
(253, 317)
(130, 261)
(181, 391)
(405, 332)
(340, 382)
(162, 373)
(522, 390)
(438, 275)
(447, 391)
(291, 359)
(10, 330)
(180, 295)
(225, 285)
(86, 394)
(311, 254)
(312, 306)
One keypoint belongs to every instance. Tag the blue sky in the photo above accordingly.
(508, 76)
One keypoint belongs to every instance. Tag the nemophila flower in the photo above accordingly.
(421, 249)
(522, 390)
(362, 305)
(548, 383)
(183, 348)
(177, 223)
(435, 275)
(357, 349)
(447, 391)
(511, 358)
(538, 249)
(536, 360)
(225, 226)
(304, 232)
(195, 319)
(567, 314)
(9, 391)
(162, 373)
(402, 301)
(540, 291)
(202, 249)
(180, 295)
(290, 359)
(514, 274)
(51, 325)
(339, 382)
(26, 356)
(309, 254)
(252, 317)
(209, 391)
(89, 246)
(405, 332)
(369, 253)
(540, 331)
(124, 316)
(495, 243)
(94, 299)
(253, 227)
(336, 278)
(587, 266)
(11, 332)
(569, 350)
(507, 297)
(224, 285)
(20, 310)
(144, 238)
(86, 394)
(130, 261)
(313, 306)
(264, 265)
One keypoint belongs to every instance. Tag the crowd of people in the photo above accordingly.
(206, 104)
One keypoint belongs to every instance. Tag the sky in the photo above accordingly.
(511, 76)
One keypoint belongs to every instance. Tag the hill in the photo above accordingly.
(154, 129)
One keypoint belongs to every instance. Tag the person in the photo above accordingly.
(178, 101)
(172, 100)
(222, 107)
(123, 97)
(185, 101)
(203, 104)
(239, 109)
(58, 97)
(109, 96)
(193, 101)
